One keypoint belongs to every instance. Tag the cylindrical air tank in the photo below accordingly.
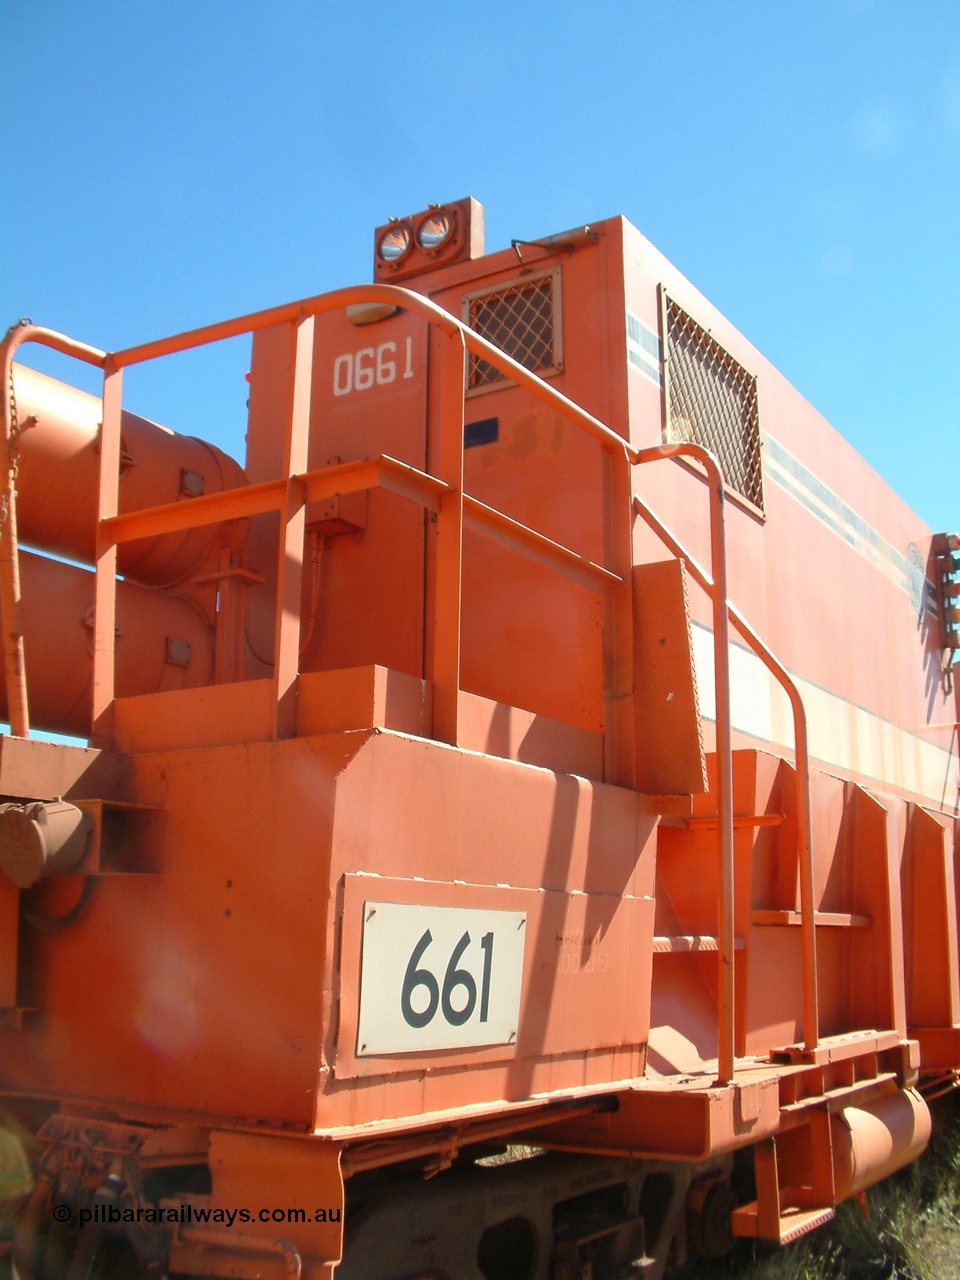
(874, 1140)
(58, 473)
(163, 642)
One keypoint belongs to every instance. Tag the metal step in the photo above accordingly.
(791, 1224)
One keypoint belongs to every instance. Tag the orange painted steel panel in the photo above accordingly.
(229, 877)
(214, 716)
(361, 698)
(833, 545)
(689, 1119)
(939, 1047)
(933, 954)
(442, 813)
(34, 769)
(299, 1175)
(369, 585)
(531, 639)
(368, 697)
(877, 953)
(572, 948)
(669, 744)
(515, 734)
(206, 1013)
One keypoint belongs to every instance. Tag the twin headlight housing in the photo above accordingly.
(432, 233)
(438, 236)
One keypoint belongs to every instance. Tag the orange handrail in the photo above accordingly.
(811, 1017)
(14, 666)
(406, 300)
(718, 554)
(459, 339)
(455, 509)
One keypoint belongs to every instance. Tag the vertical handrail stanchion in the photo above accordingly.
(811, 1015)
(721, 649)
(449, 558)
(619, 763)
(808, 924)
(726, 1012)
(105, 580)
(292, 529)
(14, 663)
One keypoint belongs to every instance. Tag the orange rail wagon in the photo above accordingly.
(523, 792)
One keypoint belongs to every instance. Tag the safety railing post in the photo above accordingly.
(448, 565)
(619, 764)
(808, 923)
(105, 580)
(14, 665)
(726, 1013)
(292, 527)
(811, 1003)
(721, 641)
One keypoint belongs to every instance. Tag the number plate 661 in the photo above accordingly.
(438, 977)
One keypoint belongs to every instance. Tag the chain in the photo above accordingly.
(13, 456)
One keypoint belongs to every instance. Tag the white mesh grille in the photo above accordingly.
(521, 319)
(712, 401)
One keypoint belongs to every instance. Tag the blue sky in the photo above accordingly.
(170, 164)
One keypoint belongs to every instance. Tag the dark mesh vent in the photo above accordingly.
(517, 318)
(712, 401)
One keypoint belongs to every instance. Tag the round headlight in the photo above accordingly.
(434, 230)
(394, 243)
